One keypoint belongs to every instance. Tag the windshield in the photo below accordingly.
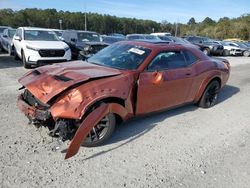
(12, 33)
(2, 29)
(121, 56)
(88, 37)
(241, 45)
(205, 39)
(247, 44)
(151, 37)
(58, 33)
(40, 35)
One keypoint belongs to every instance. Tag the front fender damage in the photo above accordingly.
(89, 122)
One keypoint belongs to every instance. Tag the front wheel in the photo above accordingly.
(226, 53)
(206, 51)
(15, 54)
(101, 132)
(210, 95)
(246, 53)
(10, 50)
(25, 64)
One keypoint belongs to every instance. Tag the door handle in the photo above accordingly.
(188, 74)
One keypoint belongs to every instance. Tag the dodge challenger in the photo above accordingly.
(83, 101)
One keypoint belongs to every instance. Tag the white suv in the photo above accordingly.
(38, 46)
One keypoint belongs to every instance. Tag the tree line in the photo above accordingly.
(104, 24)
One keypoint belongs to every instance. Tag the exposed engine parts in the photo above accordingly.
(64, 129)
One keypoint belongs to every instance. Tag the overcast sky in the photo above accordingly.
(158, 10)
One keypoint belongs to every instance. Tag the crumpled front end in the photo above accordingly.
(62, 99)
(36, 111)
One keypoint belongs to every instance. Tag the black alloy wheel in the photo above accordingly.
(101, 132)
(210, 95)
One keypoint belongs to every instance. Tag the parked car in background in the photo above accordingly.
(39, 46)
(78, 40)
(7, 40)
(119, 35)
(247, 44)
(245, 49)
(177, 40)
(173, 39)
(234, 40)
(206, 45)
(2, 28)
(84, 101)
(58, 32)
(161, 34)
(230, 49)
(142, 37)
(111, 39)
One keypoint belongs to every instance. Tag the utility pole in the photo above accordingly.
(176, 29)
(85, 18)
(85, 21)
(60, 22)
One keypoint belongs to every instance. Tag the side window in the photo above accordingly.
(190, 57)
(18, 33)
(167, 60)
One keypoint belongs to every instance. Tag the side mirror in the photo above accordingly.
(157, 78)
(17, 38)
(5, 36)
(73, 40)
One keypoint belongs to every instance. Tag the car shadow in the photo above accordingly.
(7, 61)
(227, 92)
(137, 127)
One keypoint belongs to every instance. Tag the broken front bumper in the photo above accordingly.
(32, 112)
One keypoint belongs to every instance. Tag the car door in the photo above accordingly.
(172, 90)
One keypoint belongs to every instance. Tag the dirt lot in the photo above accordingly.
(185, 147)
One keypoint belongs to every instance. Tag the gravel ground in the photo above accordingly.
(185, 147)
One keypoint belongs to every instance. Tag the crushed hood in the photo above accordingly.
(48, 81)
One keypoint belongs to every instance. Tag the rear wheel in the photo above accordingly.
(210, 95)
(246, 53)
(101, 132)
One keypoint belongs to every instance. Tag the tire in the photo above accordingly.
(15, 55)
(25, 64)
(104, 132)
(246, 53)
(226, 53)
(206, 51)
(9, 50)
(209, 97)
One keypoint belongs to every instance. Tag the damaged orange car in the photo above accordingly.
(82, 101)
